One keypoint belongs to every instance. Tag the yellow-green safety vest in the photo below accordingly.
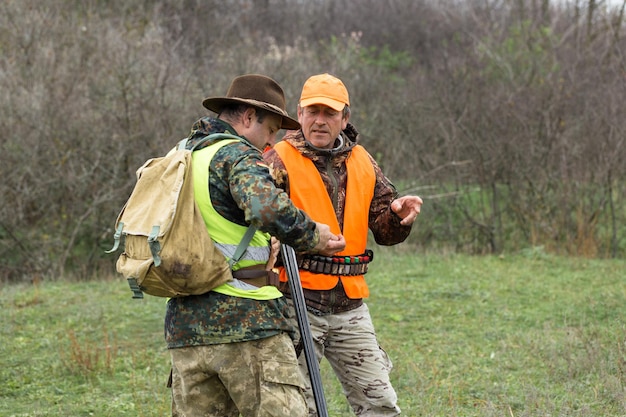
(225, 233)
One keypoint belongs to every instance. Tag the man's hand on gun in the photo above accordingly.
(329, 243)
(274, 250)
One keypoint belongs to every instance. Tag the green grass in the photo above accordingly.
(523, 335)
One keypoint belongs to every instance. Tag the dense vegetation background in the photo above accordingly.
(506, 116)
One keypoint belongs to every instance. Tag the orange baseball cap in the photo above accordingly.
(324, 89)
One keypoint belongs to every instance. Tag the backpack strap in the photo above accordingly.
(117, 236)
(182, 144)
(155, 246)
(243, 246)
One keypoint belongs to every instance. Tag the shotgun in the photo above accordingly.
(293, 275)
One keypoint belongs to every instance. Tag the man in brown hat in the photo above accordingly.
(336, 181)
(231, 348)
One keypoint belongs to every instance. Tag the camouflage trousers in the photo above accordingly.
(256, 378)
(348, 341)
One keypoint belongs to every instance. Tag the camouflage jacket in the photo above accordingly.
(241, 190)
(383, 222)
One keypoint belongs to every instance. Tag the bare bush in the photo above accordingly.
(506, 115)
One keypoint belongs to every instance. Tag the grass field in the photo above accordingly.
(523, 335)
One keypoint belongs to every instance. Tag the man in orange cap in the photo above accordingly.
(336, 181)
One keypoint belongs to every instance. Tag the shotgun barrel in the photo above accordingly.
(297, 295)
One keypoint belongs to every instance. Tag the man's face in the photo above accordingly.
(263, 134)
(321, 124)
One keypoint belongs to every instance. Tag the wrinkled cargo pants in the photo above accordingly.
(256, 378)
(348, 341)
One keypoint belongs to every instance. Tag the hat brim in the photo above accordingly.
(333, 104)
(216, 104)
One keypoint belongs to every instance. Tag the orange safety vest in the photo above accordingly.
(307, 191)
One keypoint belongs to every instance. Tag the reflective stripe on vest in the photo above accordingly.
(224, 233)
(308, 192)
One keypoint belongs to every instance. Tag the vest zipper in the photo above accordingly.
(335, 195)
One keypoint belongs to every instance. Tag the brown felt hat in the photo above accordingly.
(258, 91)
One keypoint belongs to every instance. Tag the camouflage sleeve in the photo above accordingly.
(383, 222)
(266, 206)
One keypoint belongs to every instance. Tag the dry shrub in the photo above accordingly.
(515, 99)
(86, 357)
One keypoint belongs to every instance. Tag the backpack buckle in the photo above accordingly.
(134, 287)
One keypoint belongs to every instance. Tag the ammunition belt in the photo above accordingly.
(337, 265)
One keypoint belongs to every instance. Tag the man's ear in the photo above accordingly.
(344, 121)
(248, 116)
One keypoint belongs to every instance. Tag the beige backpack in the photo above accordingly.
(167, 250)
